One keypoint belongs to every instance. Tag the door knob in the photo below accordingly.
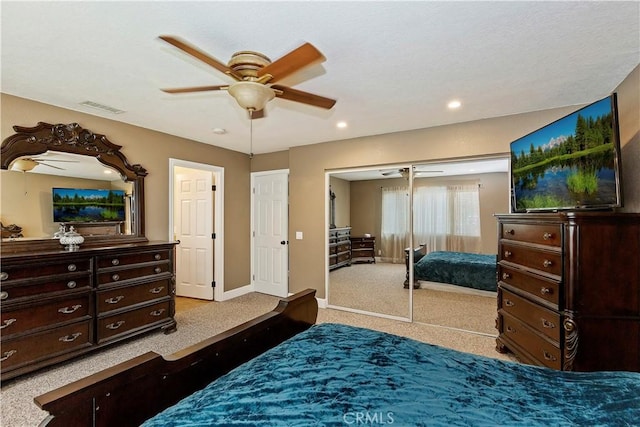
(283, 242)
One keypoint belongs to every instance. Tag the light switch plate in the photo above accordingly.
(298, 235)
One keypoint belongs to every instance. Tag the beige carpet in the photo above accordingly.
(194, 325)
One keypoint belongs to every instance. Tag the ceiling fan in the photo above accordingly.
(26, 164)
(404, 172)
(255, 75)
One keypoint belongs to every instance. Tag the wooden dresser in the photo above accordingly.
(339, 247)
(363, 249)
(569, 290)
(57, 305)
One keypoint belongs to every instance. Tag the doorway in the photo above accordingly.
(196, 221)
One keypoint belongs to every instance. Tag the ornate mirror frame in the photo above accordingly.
(73, 138)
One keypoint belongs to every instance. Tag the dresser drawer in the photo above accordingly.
(542, 351)
(545, 321)
(133, 258)
(114, 325)
(44, 314)
(537, 286)
(41, 346)
(343, 247)
(343, 257)
(122, 274)
(362, 244)
(113, 299)
(34, 270)
(543, 234)
(15, 290)
(546, 262)
(342, 234)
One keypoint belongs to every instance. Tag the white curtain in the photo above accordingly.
(395, 223)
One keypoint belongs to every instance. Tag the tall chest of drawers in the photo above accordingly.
(58, 305)
(339, 247)
(569, 291)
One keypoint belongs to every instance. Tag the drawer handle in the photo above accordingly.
(71, 284)
(547, 263)
(547, 236)
(157, 313)
(7, 354)
(72, 267)
(115, 261)
(70, 338)
(511, 231)
(115, 325)
(546, 291)
(8, 322)
(157, 270)
(69, 310)
(507, 254)
(114, 300)
(548, 356)
(506, 276)
(157, 257)
(510, 329)
(4, 295)
(4, 275)
(115, 277)
(548, 324)
(156, 290)
(509, 303)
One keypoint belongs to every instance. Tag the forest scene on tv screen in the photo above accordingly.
(567, 164)
(82, 205)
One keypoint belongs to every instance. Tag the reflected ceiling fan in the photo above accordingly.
(404, 172)
(26, 164)
(255, 75)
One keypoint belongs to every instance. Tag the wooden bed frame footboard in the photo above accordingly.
(133, 391)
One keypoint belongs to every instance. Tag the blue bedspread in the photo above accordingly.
(336, 375)
(458, 268)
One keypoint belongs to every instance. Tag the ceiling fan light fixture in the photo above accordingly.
(251, 96)
(24, 165)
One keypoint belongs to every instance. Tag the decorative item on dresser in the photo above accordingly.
(57, 304)
(569, 289)
(363, 249)
(339, 247)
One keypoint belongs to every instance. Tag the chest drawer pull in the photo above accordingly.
(69, 310)
(511, 231)
(156, 290)
(4, 295)
(157, 270)
(506, 276)
(507, 254)
(511, 329)
(547, 263)
(71, 284)
(70, 338)
(115, 261)
(546, 291)
(157, 313)
(547, 236)
(115, 277)
(114, 300)
(157, 257)
(7, 323)
(115, 325)
(4, 275)
(509, 303)
(548, 356)
(72, 267)
(7, 354)
(547, 324)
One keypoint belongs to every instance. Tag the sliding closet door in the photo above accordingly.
(373, 207)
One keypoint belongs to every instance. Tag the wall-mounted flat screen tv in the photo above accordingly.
(88, 205)
(572, 163)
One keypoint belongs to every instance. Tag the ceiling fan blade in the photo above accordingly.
(204, 57)
(195, 89)
(293, 61)
(303, 97)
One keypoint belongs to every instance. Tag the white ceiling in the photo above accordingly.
(392, 66)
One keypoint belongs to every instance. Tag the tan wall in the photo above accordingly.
(152, 150)
(629, 118)
(270, 161)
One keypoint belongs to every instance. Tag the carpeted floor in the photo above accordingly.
(195, 323)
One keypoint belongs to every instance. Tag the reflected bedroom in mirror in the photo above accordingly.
(449, 278)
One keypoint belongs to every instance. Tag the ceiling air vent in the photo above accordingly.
(101, 107)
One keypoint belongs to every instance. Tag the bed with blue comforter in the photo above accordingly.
(335, 374)
(477, 271)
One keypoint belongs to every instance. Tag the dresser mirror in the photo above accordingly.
(47, 161)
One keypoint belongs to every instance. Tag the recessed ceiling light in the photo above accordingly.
(219, 131)
(454, 104)
(341, 125)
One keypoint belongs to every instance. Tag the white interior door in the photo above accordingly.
(193, 226)
(270, 217)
